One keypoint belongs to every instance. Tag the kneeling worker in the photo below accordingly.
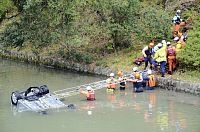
(90, 94)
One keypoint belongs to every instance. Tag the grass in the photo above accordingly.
(123, 60)
(188, 75)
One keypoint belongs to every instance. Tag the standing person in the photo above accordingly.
(161, 57)
(90, 94)
(111, 83)
(147, 53)
(151, 81)
(171, 57)
(177, 18)
(122, 80)
(177, 21)
(136, 79)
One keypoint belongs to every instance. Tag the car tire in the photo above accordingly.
(44, 89)
(15, 96)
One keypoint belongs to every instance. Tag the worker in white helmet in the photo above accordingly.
(160, 57)
(151, 81)
(89, 93)
(111, 83)
(177, 18)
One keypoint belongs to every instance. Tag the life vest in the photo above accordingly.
(152, 81)
(111, 83)
(149, 52)
(91, 95)
(171, 51)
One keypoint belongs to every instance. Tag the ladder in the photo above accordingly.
(76, 90)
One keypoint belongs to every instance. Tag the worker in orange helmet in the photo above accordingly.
(122, 80)
(147, 53)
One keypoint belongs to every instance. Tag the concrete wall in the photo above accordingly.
(179, 85)
(164, 83)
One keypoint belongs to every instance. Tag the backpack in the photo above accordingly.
(139, 60)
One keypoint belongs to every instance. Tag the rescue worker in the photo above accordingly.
(157, 46)
(177, 18)
(122, 80)
(90, 94)
(160, 57)
(136, 79)
(111, 83)
(147, 53)
(178, 47)
(151, 82)
(171, 57)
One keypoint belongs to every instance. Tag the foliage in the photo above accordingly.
(154, 22)
(191, 54)
(5, 6)
(88, 29)
(19, 4)
(76, 56)
(12, 36)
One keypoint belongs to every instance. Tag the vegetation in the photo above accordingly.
(95, 28)
(190, 56)
(104, 32)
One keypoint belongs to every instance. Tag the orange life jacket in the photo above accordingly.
(91, 95)
(152, 81)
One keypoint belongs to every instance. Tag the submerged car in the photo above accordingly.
(35, 99)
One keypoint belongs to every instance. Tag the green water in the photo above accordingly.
(150, 111)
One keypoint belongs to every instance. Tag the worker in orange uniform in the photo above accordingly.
(171, 57)
(111, 83)
(122, 80)
(89, 93)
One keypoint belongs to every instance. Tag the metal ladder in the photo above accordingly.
(76, 90)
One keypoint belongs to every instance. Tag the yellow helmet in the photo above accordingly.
(137, 75)
(120, 73)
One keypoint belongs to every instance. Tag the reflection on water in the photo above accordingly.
(153, 111)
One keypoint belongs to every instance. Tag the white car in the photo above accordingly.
(35, 99)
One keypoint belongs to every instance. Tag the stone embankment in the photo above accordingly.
(164, 83)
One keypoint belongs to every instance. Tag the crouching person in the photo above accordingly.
(89, 93)
(136, 79)
(151, 80)
(111, 83)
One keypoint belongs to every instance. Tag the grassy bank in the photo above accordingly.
(102, 33)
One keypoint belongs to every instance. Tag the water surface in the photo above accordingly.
(123, 111)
